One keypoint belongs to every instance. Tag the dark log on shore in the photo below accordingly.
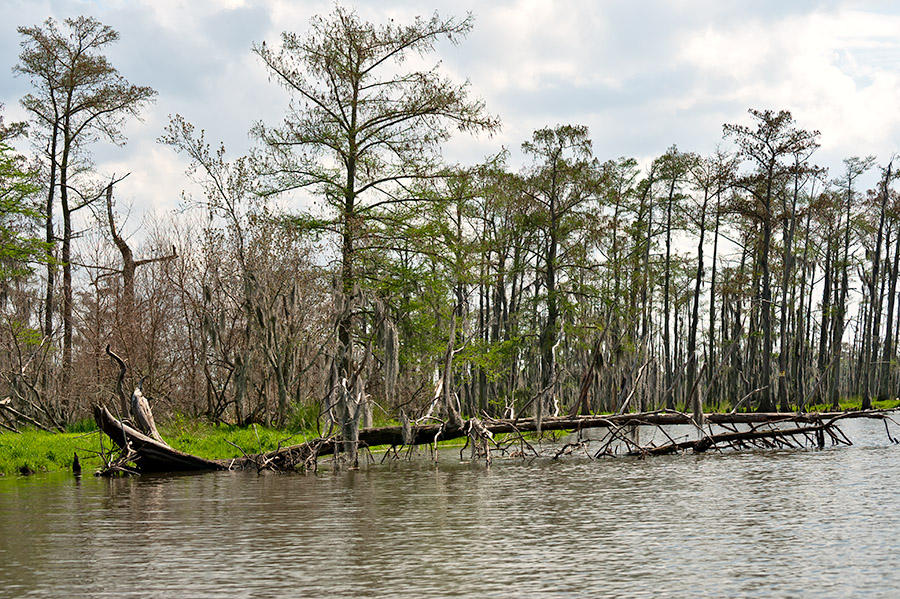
(149, 455)
(153, 456)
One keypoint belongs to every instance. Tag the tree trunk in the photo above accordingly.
(887, 354)
(50, 237)
(66, 259)
(765, 307)
(667, 345)
(695, 399)
(710, 371)
(787, 267)
(547, 394)
(838, 327)
(875, 312)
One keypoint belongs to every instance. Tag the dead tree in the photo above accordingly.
(129, 264)
(153, 455)
(139, 407)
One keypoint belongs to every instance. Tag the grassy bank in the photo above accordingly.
(856, 404)
(38, 451)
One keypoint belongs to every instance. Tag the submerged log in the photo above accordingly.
(150, 455)
(731, 439)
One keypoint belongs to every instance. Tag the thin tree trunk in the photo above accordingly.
(712, 299)
(667, 345)
(50, 237)
(874, 322)
(838, 327)
(887, 354)
(695, 399)
(765, 404)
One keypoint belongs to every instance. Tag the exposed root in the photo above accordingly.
(481, 439)
(118, 463)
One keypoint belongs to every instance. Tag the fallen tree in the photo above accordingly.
(768, 429)
(766, 438)
(146, 453)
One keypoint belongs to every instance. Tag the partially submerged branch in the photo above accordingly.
(771, 429)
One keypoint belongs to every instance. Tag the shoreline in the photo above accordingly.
(33, 451)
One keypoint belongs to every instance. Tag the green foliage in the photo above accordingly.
(493, 358)
(304, 223)
(303, 417)
(25, 335)
(855, 403)
(85, 425)
(18, 249)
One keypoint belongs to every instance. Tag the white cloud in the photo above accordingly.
(837, 72)
(641, 75)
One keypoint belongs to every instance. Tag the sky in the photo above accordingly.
(642, 75)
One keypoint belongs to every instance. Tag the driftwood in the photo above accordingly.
(753, 438)
(120, 380)
(140, 409)
(767, 430)
(148, 454)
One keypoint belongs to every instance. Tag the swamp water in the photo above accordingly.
(801, 523)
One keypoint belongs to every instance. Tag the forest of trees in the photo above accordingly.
(750, 278)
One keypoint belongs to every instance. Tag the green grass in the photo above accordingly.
(855, 403)
(212, 441)
(38, 451)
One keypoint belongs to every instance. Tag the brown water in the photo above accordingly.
(801, 523)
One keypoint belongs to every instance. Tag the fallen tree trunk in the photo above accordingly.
(731, 439)
(150, 455)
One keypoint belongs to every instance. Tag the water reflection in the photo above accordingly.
(761, 523)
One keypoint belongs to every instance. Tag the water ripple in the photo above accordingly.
(760, 523)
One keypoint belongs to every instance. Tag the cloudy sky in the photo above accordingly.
(641, 74)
